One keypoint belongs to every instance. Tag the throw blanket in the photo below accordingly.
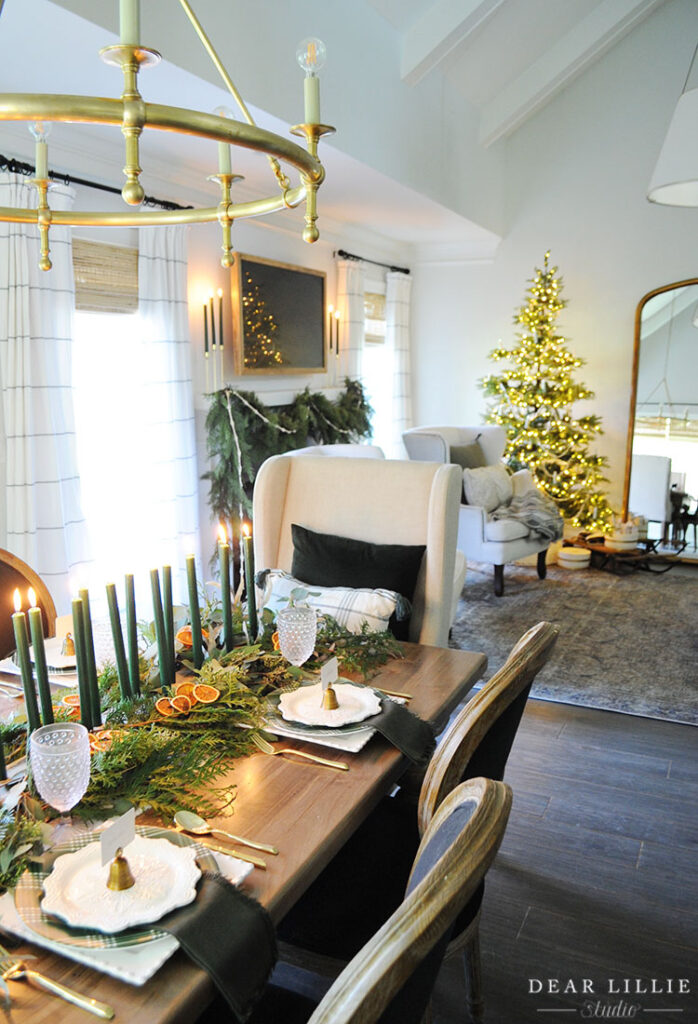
(536, 511)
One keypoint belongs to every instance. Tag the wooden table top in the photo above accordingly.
(307, 811)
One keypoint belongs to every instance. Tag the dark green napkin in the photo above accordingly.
(230, 936)
(412, 736)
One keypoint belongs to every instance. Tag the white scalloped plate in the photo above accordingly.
(76, 889)
(305, 705)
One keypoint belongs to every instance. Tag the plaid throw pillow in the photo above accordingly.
(350, 607)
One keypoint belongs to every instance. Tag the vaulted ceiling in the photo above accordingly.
(417, 88)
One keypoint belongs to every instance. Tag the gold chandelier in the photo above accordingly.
(132, 114)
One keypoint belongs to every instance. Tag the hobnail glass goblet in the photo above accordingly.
(297, 629)
(60, 762)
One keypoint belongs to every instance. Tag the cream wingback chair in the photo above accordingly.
(480, 538)
(382, 501)
(349, 451)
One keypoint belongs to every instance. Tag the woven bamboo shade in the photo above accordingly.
(106, 277)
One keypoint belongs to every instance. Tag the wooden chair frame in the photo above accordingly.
(465, 733)
(17, 573)
(370, 981)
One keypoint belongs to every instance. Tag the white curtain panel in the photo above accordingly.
(350, 303)
(170, 464)
(397, 337)
(43, 520)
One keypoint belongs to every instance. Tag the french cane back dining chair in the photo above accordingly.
(16, 574)
(391, 978)
(366, 880)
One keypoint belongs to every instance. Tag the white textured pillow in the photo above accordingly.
(351, 608)
(488, 487)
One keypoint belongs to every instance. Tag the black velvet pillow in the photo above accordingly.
(467, 456)
(326, 560)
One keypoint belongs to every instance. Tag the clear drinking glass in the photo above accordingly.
(297, 629)
(60, 762)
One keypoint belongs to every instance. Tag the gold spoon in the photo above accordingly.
(198, 826)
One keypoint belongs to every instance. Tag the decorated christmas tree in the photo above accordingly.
(533, 401)
(260, 327)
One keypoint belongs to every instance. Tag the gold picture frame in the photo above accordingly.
(278, 317)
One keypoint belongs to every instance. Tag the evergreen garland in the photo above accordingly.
(263, 431)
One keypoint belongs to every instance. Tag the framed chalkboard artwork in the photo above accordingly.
(278, 317)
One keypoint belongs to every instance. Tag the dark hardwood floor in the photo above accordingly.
(597, 877)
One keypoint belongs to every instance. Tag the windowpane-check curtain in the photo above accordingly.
(166, 368)
(350, 303)
(397, 337)
(43, 520)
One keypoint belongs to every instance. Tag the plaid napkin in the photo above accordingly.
(412, 736)
(230, 936)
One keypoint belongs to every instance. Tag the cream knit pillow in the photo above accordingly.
(488, 487)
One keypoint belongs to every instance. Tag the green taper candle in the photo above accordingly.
(248, 550)
(81, 662)
(224, 565)
(194, 612)
(159, 620)
(19, 623)
(134, 671)
(36, 626)
(118, 638)
(90, 660)
(168, 612)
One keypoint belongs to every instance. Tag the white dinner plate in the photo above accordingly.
(165, 878)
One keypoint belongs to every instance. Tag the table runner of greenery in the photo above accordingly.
(150, 755)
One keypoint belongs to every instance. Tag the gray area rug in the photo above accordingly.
(627, 643)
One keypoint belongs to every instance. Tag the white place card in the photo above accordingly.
(120, 834)
(329, 673)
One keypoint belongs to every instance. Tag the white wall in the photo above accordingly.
(576, 182)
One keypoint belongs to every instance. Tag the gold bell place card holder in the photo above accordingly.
(126, 654)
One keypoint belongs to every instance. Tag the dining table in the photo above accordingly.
(305, 809)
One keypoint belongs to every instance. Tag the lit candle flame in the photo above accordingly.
(222, 534)
(32, 597)
(246, 529)
(17, 600)
(220, 293)
(337, 314)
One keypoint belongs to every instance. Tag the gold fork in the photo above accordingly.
(267, 748)
(14, 969)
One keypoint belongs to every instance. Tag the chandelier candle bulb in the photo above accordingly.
(311, 57)
(90, 661)
(19, 623)
(81, 662)
(36, 627)
(130, 22)
(160, 636)
(134, 670)
(248, 550)
(194, 612)
(118, 638)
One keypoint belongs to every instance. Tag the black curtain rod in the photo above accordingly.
(17, 167)
(362, 259)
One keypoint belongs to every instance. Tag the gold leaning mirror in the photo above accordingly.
(663, 420)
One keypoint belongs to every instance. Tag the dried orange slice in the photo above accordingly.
(164, 707)
(184, 635)
(275, 642)
(181, 704)
(186, 690)
(206, 694)
(72, 700)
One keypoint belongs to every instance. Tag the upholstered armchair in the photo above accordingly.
(349, 451)
(480, 537)
(381, 501)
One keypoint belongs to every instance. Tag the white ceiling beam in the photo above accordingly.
(567, 58)
(442, 27)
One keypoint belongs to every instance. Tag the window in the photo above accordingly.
(106, 277)
(377, 363)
